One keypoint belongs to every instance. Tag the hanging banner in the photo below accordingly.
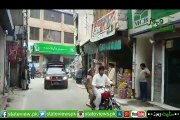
(104, 27)
(43, 48)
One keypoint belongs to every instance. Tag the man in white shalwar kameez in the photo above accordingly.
(100, 80)
(112, 75)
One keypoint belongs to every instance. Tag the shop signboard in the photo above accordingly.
(141, 17)
(43, 48)
(104, 27)
(147, 20)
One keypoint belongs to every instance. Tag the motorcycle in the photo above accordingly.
(107, 100)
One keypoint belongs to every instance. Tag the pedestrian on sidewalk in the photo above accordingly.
(89, 88)
(79, 76)
(33, 70)
(27, 76)
(143, 76)
(112, 75)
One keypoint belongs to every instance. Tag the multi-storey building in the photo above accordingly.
(51, 37)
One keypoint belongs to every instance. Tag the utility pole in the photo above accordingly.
(86, 24)
(27, 35)
(5, 59)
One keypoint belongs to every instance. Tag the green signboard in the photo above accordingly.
(42, 48)
(140, 20)
(113, 45)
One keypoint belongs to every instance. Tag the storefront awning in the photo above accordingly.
(112, 45)
(43, 48)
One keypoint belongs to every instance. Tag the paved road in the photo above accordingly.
(37, 98)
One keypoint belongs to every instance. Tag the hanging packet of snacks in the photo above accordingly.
(12, 52)
(124, 89)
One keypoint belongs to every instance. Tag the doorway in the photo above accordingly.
(172, 78)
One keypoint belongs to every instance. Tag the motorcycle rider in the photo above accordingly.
(89, 88)
(100, 80)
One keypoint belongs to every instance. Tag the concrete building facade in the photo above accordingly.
(53, 28)
(155, 36)
(85, 20)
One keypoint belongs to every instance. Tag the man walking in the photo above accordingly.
(88, 85)
(143, 76)
(79, 76)
(33, 70)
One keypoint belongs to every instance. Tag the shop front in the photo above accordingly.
(171, 58)
(114, 50)
(155, 42)
(172, 72)
(89, 52)
(112, 47)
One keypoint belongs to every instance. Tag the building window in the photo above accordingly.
(35, 59)
(52, 35)
(68, 38)
(51, 15)
(68, 19)
(35, 14)
(34, 33)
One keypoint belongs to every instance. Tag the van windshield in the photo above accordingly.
(56, 70)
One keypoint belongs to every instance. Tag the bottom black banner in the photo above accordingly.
(163, 114)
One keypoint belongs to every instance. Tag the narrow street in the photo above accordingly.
(37, 98)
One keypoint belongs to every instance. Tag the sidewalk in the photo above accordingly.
(133, 104)
(167, 107)
(3, 101)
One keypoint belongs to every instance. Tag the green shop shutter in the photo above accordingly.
(100, 47)
(119, 44)
(112, 45)
(103, 47)
(108, 46)
(116, 45)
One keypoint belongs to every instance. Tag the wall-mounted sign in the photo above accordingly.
(141, 18)
(104, 27)
(42, 48)
(169, 44)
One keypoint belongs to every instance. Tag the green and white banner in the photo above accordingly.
(72, 114)
(44, 48)
(146, 19)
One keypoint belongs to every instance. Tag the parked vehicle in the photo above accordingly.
(107, 100)
(55, 75)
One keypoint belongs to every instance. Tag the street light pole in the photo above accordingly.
(27, 35)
